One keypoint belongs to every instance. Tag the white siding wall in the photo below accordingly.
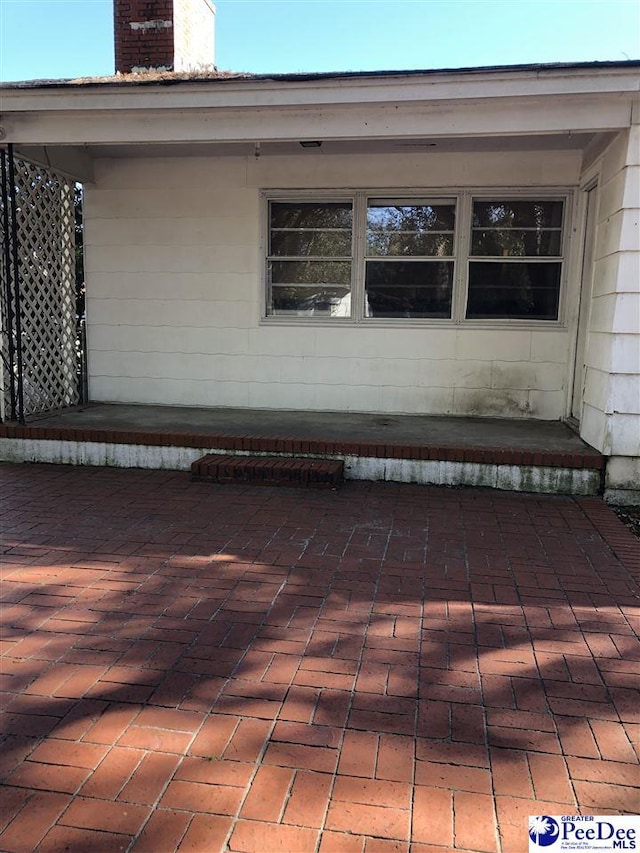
(174, 273)
(611, 414)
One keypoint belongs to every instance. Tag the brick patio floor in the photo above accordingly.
(385, 668)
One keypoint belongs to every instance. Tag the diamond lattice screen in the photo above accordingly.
(5, 365)
(46, 252)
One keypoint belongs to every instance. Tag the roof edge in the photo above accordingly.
(168, 78)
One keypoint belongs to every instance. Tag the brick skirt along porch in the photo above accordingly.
(517, 455)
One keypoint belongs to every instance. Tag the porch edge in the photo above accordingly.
(506, 476)
(290, 445)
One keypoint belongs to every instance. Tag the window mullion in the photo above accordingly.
(463, 243)
(358, 271)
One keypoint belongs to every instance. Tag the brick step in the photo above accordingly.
(269, 471)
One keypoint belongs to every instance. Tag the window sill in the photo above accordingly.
(400, 323)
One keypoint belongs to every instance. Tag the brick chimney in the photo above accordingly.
(167, 35)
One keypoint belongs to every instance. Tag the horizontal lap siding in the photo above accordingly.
(174, 288)
(611, 417)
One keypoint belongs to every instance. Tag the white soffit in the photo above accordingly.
(550, 142)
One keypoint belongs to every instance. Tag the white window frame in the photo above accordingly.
(462, 243)
(320, 198)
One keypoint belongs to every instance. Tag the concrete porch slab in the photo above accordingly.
(535, 456)
(550, 436)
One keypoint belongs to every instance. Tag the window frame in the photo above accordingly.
(489, 259)
(463, 199)
(368, 258)
(270, 258)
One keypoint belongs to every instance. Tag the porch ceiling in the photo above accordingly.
(550, 142)
(77, 162)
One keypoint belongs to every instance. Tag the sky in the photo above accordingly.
(74, 38)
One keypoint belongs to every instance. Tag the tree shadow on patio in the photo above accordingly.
(453, 640)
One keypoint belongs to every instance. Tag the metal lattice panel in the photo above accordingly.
(45, 294)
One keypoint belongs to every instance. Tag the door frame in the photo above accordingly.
(590, 206)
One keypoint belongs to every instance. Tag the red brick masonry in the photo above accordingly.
(269, 471)
(142, 48)
(380, 669)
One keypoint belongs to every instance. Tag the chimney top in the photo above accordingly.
(163, 35)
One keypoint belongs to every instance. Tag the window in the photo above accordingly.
(515, 260)
(406, 274)
(310, 258)
(369, 257)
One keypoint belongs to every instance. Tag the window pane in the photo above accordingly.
(515, 243)
(301, 243)
(513, 290)
(410, 244)
(517, 214)
(382, 216)
(335, 214)
(408, 288)
(310, 301)
(311, 272)
(410, 229)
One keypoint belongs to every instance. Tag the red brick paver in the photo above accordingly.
(388, 669)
